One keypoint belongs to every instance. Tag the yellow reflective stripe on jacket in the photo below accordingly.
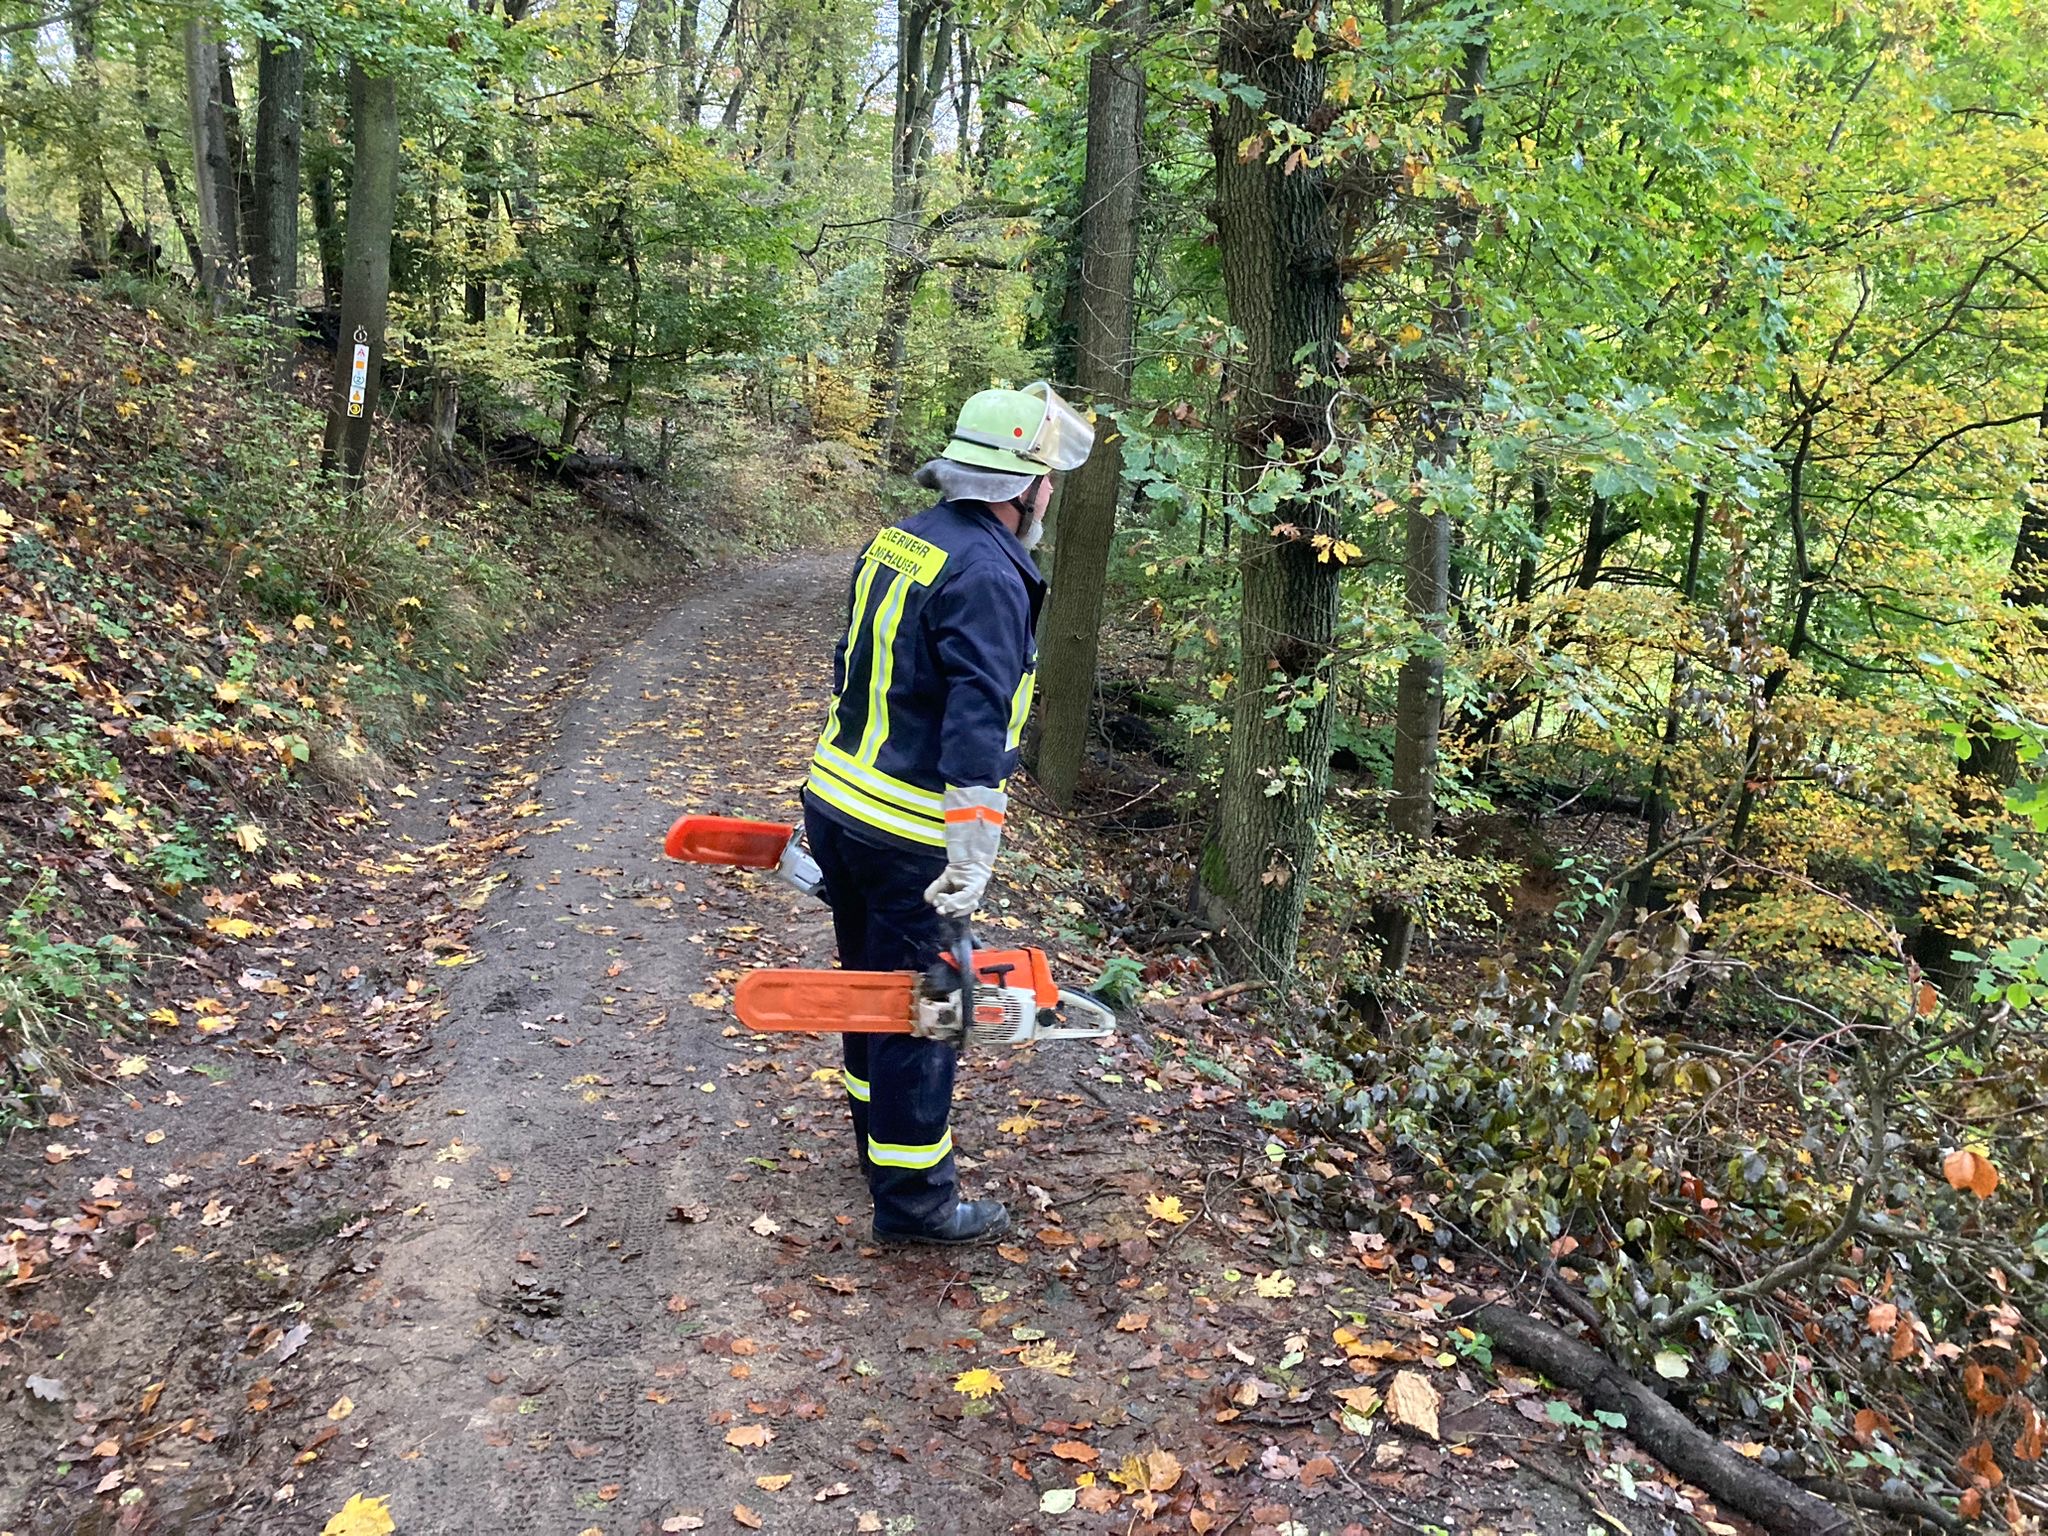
(900, 793)
(882, 667)
(851, 648)
(855, 1087)
(1020, 704)
(836, 792)
(891, 1154)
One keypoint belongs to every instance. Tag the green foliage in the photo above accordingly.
(51, 988)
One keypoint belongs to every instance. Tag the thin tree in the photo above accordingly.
(212, 182)
(1426, 559)
(366, 274)
(924, 53)
(1070, 632)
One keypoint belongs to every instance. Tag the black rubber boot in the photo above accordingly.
(970, 1221)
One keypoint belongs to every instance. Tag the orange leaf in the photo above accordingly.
(1906, 1338)
(1982, 1465)
(1075, 1450)
(1967, 1169)
(1882, 1317)
(1971, 1504)
(1133, 1322)
(2032, 1440)
(746, 1517)
(749, 1436)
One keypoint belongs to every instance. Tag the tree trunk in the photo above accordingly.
(924, 52)
(153, 137)
(239, 217)
(92, 214)
(1071, 629)
(274, 228)
(1426, 561)
(212, 187)
(1280, 236)
(366, 278)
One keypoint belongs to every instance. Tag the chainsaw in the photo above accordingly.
(1013, 999)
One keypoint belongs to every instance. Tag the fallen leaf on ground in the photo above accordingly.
(834, 1491)
(342, 1408)
(746, 1517)
(749, 1436)
(763, 1226)
(1075, 1450)
(683, 1522)
(1057, 1501)
(1274, 1285)
(775, 1484)
(978, 1383)
(1412, 1403)
(1165, 1208)
(360, 1517)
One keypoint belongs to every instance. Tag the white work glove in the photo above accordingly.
(974, 831)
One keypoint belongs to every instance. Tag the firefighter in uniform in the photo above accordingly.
(903, 809)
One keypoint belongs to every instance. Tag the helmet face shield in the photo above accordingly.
(1064, 439)
(1021, 431)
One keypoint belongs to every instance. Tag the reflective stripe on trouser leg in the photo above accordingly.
(858, 1091)
(910, 1148)
(884, 924)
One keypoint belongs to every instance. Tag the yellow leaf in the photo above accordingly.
(228, 692)
(233, 927)
(132, 1066)
(978, 1383)
(1017, 1125)
(776, 1483)
(186, 367)
(360, 1517)
(127, 408)
(1304, 45)
(1165, 1208)
(249, 837)
(302, 622)
(1274, 1285)
(1045, 1355)
(343, 1407)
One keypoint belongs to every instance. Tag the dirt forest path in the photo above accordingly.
(569, 1254)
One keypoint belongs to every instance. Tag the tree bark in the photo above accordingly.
(366, 279)
(92, 214)
(280, 116)
(212, 187)
(1426, 562)
(153, 137)
(924, 52)
(1280, 234)
(239, 217)
(1070, 632)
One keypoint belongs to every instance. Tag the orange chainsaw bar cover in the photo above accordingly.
(727, 840)
(871, 1002)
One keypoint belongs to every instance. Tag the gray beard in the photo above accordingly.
(1031, 536)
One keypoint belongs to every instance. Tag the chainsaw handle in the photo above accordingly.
(963, 962)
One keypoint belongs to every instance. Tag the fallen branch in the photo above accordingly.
(1886, 1502)
(1660, 1429)
(1218, 994)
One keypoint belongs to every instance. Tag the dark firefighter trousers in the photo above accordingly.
(899, 1088)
